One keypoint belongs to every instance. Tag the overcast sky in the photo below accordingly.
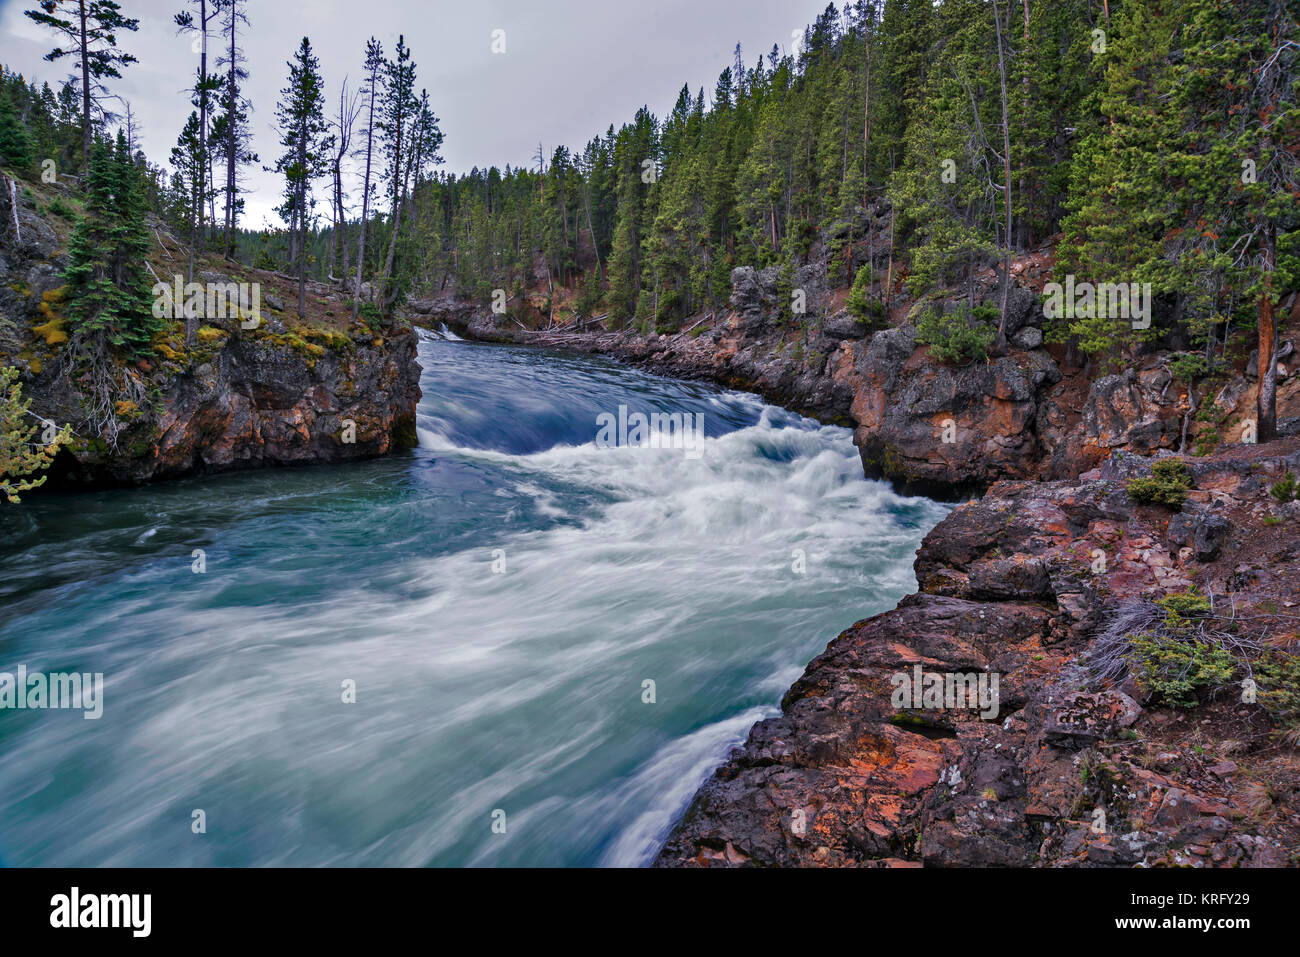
(571, 67)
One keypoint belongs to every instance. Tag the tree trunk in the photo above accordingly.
(866, 108)
(343, 238)
(365, 199)
(889, 272)
(205, 164)
(1026, 189)
(232, 140)
(85, 90)
(399, 202)
(293, 237)
(336, 208)
(399, 187)
(212, 200)
(595, 246)
(1006, 149)
(302, 261)
(1267, 426)
(302, 223)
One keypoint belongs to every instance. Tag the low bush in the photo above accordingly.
(1174, 660)
(1277, 679)
(1287, 489)
(1168, 485)
(961, 336)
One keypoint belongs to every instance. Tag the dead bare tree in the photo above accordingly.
(349, 110)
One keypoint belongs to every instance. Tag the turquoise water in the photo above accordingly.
(520, 692)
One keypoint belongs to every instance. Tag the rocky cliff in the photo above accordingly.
(1080, 765)
(1046, 581)
(931, 428)
(289, 391)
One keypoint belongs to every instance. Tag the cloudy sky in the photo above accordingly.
(571, 67)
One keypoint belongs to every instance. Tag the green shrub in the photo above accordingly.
(951, 336)
(589, 297)
(60, 208)
(1181, 608)
(1172, 469)
(1173, 668)
(666, 317)
(1287, 489)
(1277, 680)
(867, 311)
(1167, 486)
(1188, 366)
(1172, 660)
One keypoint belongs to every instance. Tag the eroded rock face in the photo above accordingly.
(271, 408)
(939, 430)
(1015, 584)
(238, 399)
(933, 429)
(26, 233)
(255, 404)
(1067, 773)
(1135, 411)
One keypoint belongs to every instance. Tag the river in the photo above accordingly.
(510, 646)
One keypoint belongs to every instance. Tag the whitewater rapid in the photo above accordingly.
(552, 644)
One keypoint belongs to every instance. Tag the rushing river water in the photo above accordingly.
(478, 688)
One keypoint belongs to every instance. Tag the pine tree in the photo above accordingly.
(91, 28)
(1238, 165)
(15, 144)
(1121, 204)
(945, 194)
(108, 283)
(304, 136)
(624, 283)
(398, 108)
(230, 130)
(187, 158)
(906, 32)
(205, 86)
(1055, 69)
(859, 303)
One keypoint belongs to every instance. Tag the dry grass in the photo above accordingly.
(1255, 799)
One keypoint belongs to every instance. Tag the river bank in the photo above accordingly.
(247, 384)
(1023, 582)
(933, 429)
(498, 597)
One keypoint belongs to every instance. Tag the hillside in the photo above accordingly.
(289, 391)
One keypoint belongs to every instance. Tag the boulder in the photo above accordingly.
(1023, 310)
(812, 280)
(752, 295)
(843, 327)
(1212, 533)
(1027, 338)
